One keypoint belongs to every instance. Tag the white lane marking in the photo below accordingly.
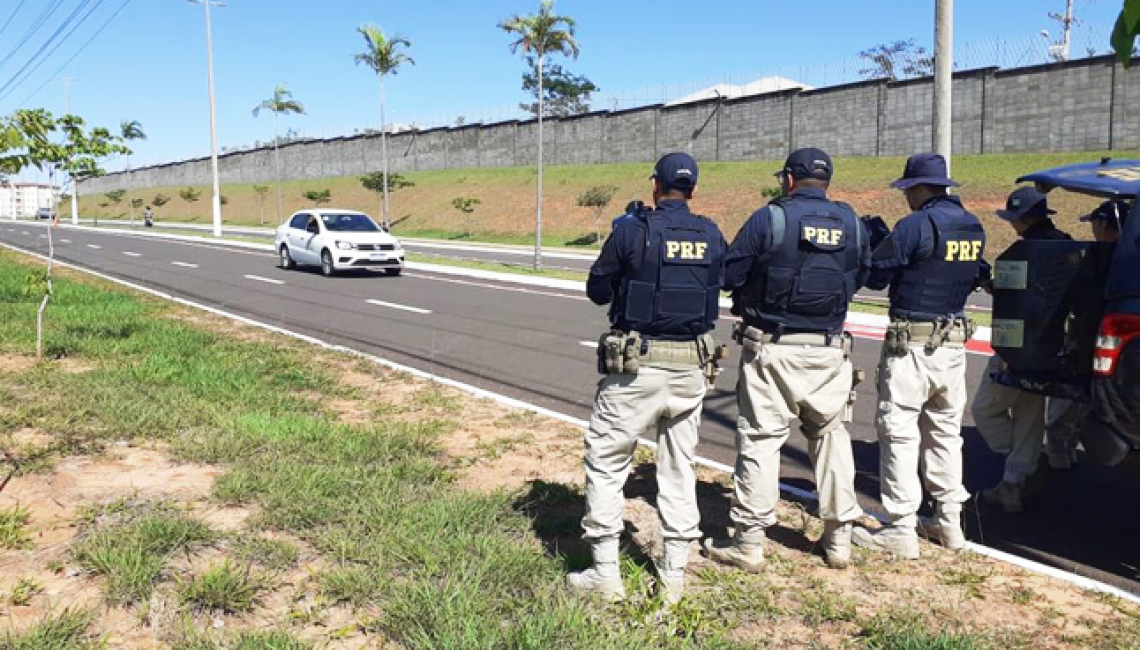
(185, 264)
(393, 305)
(130, 254)
(261, 279)
(588, 344)
(43, 236)
(65, 241)
(496, 286)
(1060, 574)
(25, 232)
(95, 246)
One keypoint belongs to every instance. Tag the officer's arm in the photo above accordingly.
(985, 276)
(906, 243)
(605, 273)
(864, 260)
(750, 243)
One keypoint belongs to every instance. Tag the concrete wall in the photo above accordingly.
(1089, 104)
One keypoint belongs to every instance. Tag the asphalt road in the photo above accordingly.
(536, 344)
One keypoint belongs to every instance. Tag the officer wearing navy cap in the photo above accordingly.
(661, 271)
(794, 268)
(1107, 220)
(931, 262)
(1014, 422)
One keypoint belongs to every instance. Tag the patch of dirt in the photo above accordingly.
(15, 362)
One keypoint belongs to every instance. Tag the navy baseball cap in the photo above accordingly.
(1025, 202)
(676, 170)
(924, 169)
(1115, 211)
(808, 162)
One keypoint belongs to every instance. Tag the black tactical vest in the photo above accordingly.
(937, 286)
(674, 292)
(812, 271)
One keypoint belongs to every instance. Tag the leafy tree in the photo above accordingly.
(1125, 32)
(597, 198)
(131, 130)
(190, 195)
(898, 60)
(33, 138)
(466, 205)
(160, 200)
(223, 199)
(538, 35)
(116, 197)
(564, 93)
(262, 191)
(374, 182)
(318, 197)
(136, 203)
(384, 55)
(281, 103)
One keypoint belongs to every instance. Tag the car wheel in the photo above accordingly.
(393, 272)
(327, 268)
(287, 262)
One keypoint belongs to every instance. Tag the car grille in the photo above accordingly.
(376, 263)
(376, 247)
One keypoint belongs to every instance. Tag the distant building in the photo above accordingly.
(761, 86)
(21, 200)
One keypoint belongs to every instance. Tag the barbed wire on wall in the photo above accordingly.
(988, 53)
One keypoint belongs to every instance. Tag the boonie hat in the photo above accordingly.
(925, 169)
(676, 170)
(1025, 202)
(808, 162)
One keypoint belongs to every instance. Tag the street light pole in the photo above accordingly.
(943, 76)
(74, 186)
(217, 197)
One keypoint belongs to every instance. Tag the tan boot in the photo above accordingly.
(836, 542)
(745, 552)
(945, 528)
(671, 571)
(603, 579)
(898, 541)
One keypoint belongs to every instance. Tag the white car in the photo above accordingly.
(337, 240)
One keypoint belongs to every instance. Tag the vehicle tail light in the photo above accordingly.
(1116, 330)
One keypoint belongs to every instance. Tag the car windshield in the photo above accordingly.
(349, 223)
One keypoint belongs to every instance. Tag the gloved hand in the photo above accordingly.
(877, 230)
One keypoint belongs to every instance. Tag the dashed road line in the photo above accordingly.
(393, 305)
(185, 265)
(95, 246)
(258, 278)
(130, 254)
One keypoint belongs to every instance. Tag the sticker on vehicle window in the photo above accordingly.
(1007, 333)
(1011, 274)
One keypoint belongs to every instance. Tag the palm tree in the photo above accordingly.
(540, 34)
(280, 103)
(383, 55)
(131, 130)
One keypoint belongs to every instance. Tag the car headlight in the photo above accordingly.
(345, 246)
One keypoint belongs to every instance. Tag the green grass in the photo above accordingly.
(355, 585)
(906, 631)
(64, 631)
(13, 519)
(224, 588)
(274, 554)
(130, 547)
(23, 591)
(271, 640)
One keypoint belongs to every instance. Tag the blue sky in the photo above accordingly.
(149, 63)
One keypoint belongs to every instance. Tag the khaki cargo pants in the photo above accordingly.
(922, 397)
(778, 384)
(626, 406)
(1011, 421)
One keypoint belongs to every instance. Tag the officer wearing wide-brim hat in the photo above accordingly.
(932, 261)
(794, 268)
(661, 271)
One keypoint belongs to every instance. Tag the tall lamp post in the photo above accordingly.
(217, 198)
(943, 76)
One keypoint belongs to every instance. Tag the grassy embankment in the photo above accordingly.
(344, 505)
(729, 192)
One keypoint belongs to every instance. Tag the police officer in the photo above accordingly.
(660, 270)
(1107, 220)
(794, 267)
(1012, 421)
(931, 262)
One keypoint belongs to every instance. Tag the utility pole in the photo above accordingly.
(1067, 21)
(943, 76)
(217, 198)
(74, 186)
